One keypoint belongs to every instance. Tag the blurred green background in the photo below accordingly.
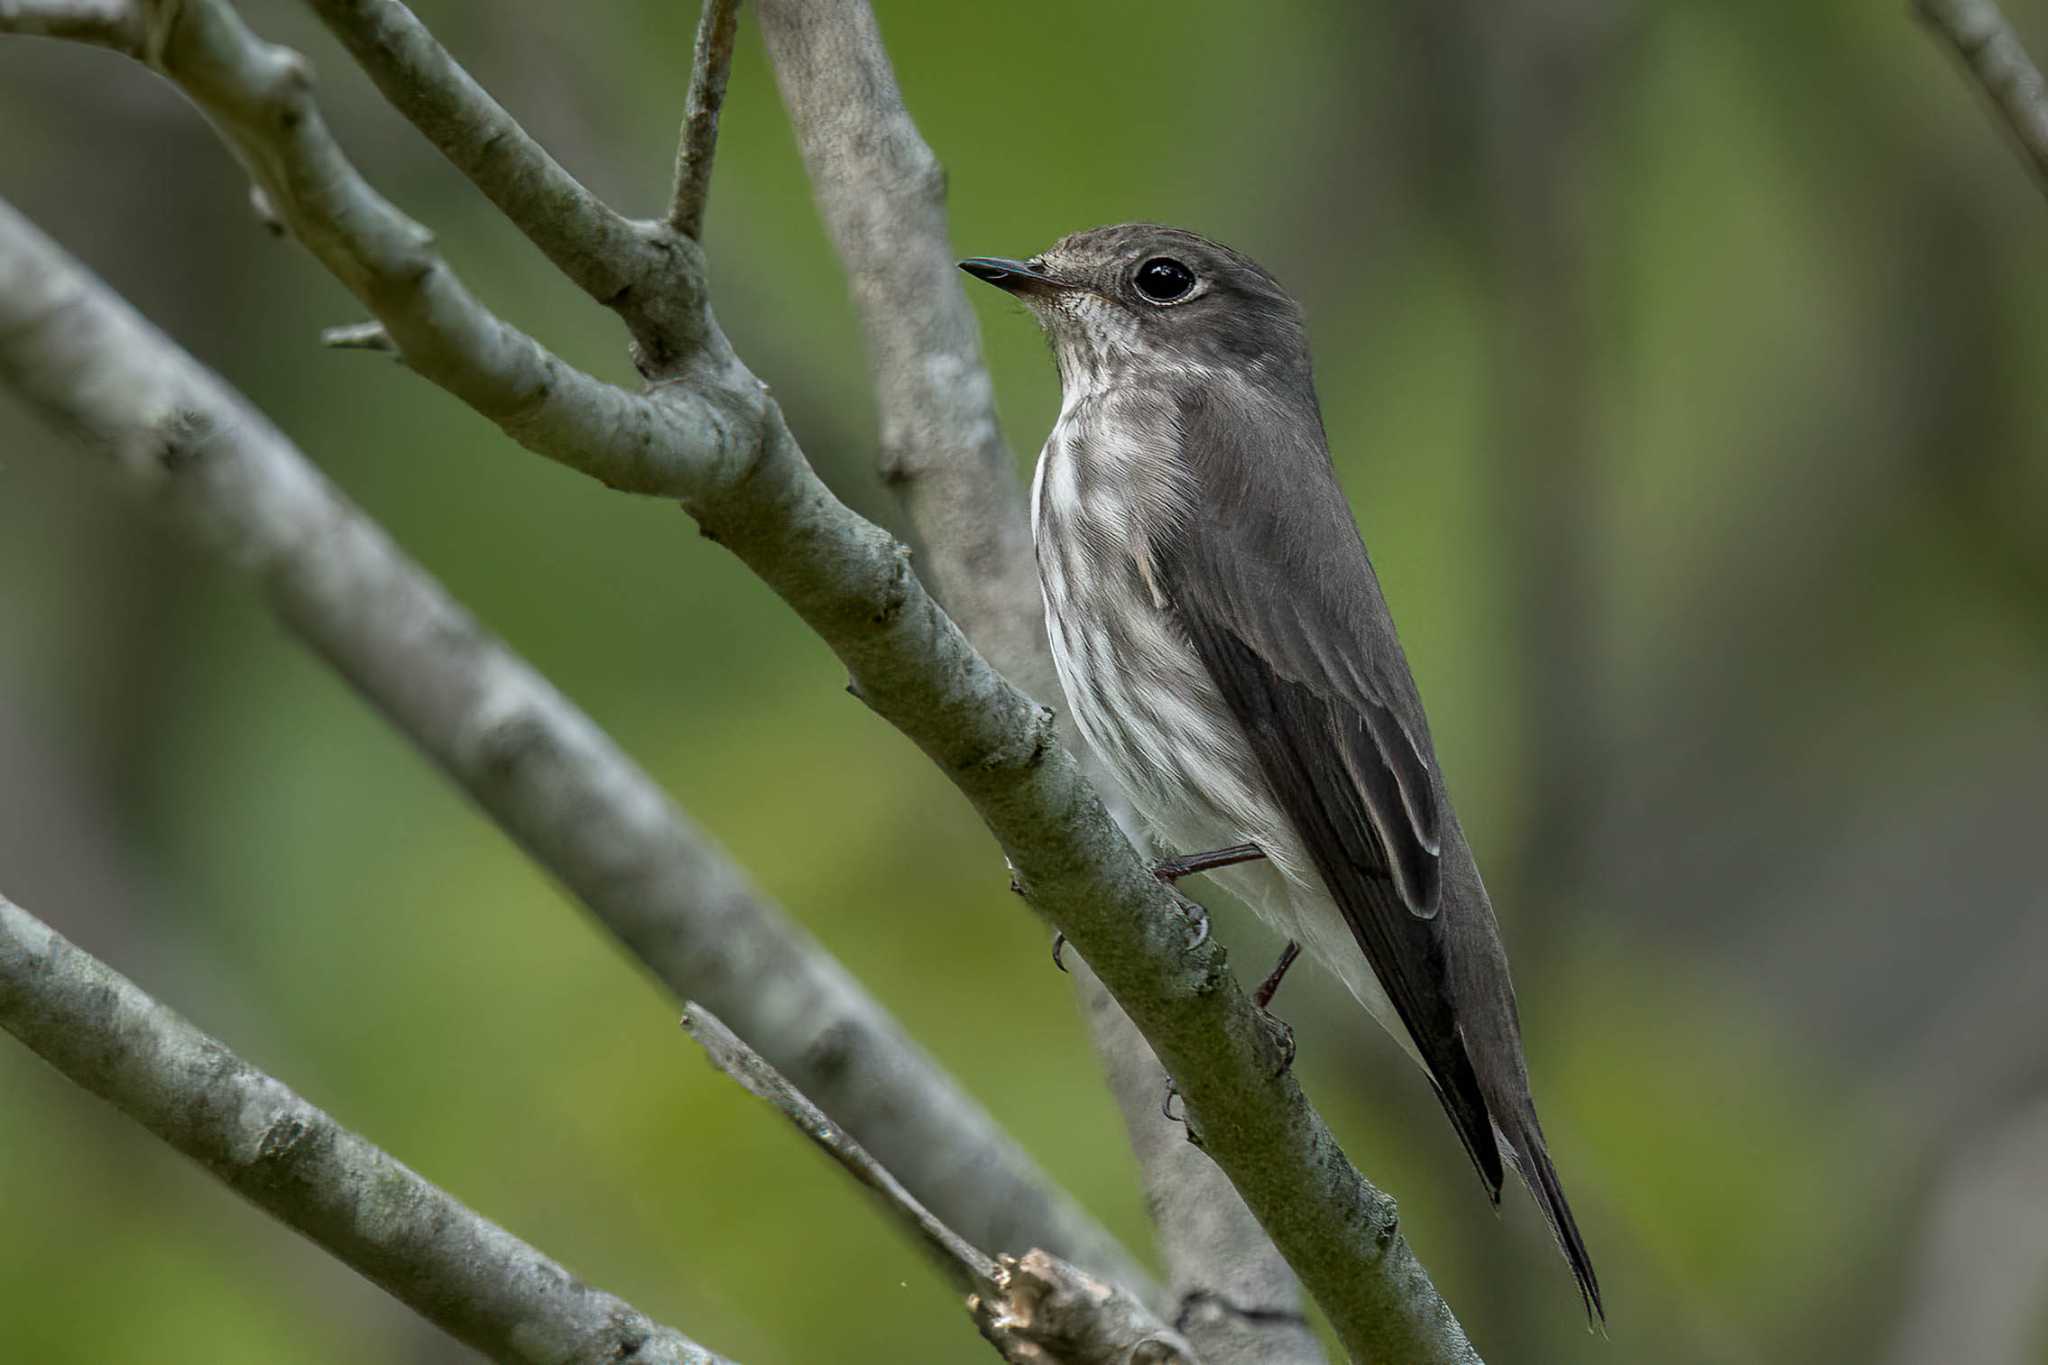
(1686, 364)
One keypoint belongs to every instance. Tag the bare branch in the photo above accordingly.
(649, 274)
(260, 96)
(729, 1054)
(881, 192)
(727, 455)
(103, 23)
(1993, 53)
(1034, 1309)
(1229, 1291)
(698, 144)
(594, 246)
(540, 767)
(454, 1267)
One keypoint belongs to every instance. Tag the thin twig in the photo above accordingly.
(454, 1267)
(697, 146)
(974, 1270)
(593, 245)
(652, 277)
(112, 24)
(261, 97)
(1033, 1309)
(186, 444)
(1994, 55)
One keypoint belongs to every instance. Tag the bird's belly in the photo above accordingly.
(1149, 710)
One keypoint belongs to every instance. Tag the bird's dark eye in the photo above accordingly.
(1164, 280)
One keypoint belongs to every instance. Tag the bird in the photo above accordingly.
(1226, 651)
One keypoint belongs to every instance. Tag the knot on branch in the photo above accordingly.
(1025, 748)
(896, 593)
(1042, 1311)
(182, 439)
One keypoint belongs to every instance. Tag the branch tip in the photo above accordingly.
(697, 145)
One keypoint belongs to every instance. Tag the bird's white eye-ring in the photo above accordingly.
(1162, 279)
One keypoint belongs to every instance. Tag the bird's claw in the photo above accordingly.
(1059, 944)
(1166, 1104)
(1197, 917)
(1283, 1035)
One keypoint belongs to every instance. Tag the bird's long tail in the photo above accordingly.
(1525, 1146)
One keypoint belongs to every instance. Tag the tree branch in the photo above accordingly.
(698, 144)
(1993, 53)
(102, 23)
(260, 96)
(1032, 1309)
(1228, 1290)
(731, 1055)
(454, 1267)
(540, 767)
(733, 464)
(584, 238)
(649, 274)
(881, 193)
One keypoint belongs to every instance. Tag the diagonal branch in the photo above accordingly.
(881, 193)
(966, 1263)
(541, 768)
(732, 462)
(1993, 53)
(585, 239)
(1030, 1308)
(454, 1267)
(260, 97)
(650, 275)
(698, 145)
(1227, 1288)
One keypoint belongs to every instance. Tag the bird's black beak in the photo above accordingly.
(1015, 277)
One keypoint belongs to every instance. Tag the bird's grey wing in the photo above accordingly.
(1268, 577)
(1273, 561)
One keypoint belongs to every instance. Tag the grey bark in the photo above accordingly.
(535, 763)
(1036, 1308)
(881, 193)
(710, 69)
(708, 434)
(456, 1268)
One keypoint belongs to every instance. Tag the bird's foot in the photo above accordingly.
(1166, 1103)
(1263, 996)
(1170, 870)
(1059, 945)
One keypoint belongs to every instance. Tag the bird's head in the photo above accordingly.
(1140, 300)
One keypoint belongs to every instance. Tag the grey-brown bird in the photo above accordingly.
(1224, 647)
